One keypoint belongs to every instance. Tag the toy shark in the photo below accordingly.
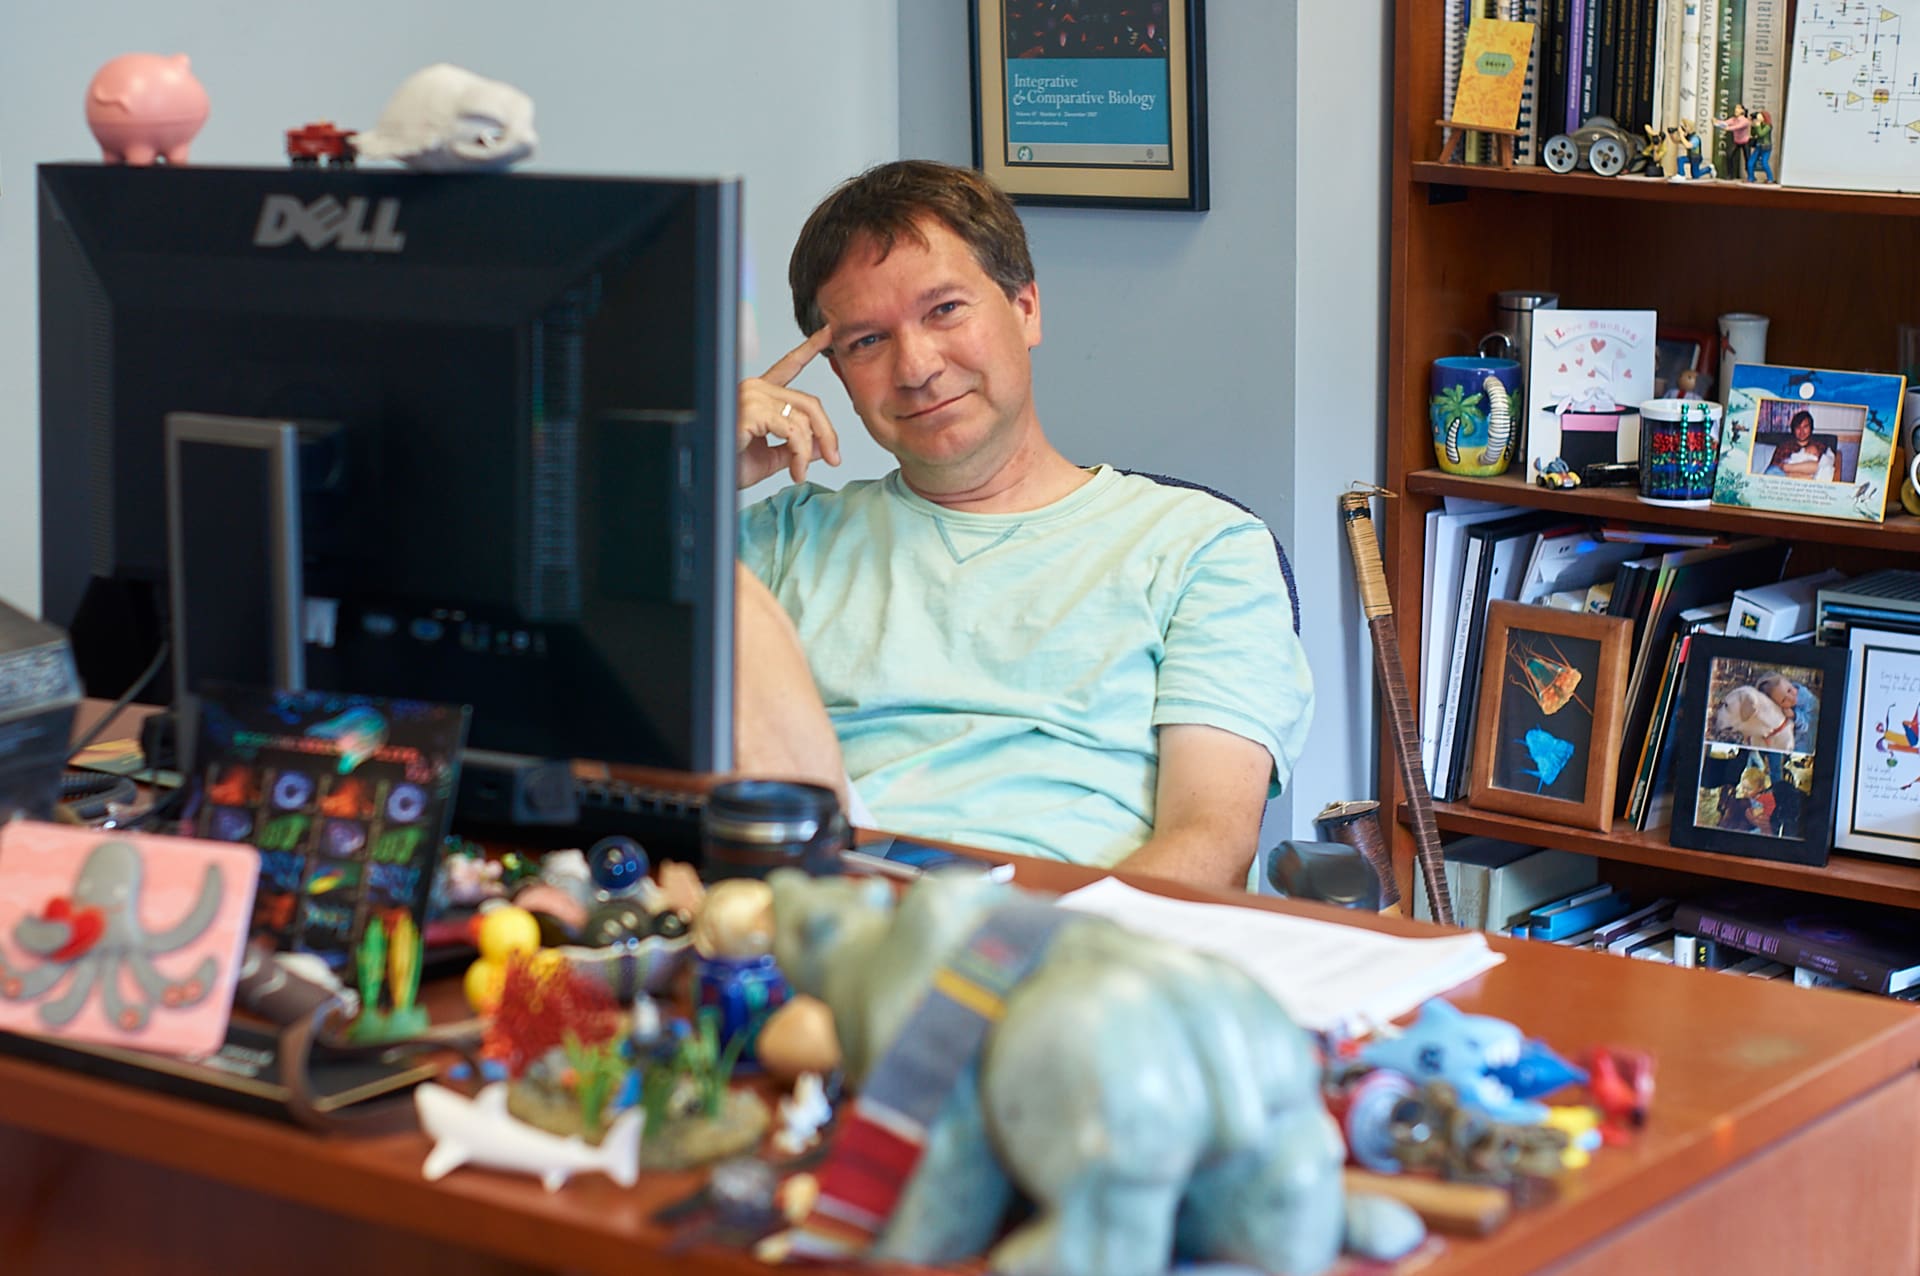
(480, 1131)
(360, 732)
(1462, 1050)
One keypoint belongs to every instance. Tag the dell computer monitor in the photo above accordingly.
(513, 402)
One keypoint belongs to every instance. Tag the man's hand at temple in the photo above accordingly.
(769, 406)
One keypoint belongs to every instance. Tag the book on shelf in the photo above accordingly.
(1569, 559)
(1580, 911)
(1660, 910)
(1687, 92)
(1683, 579)
(1726, 83)
(1873, 948)
(1672, 42)
(1764, 69)
(1496, 553)
(1491, 881)
(1446, 551)
(1706, 65)
(1649, 804)
(1887, 599)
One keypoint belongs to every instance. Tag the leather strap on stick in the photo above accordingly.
(1356, 512)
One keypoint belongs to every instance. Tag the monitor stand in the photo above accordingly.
(233, 559)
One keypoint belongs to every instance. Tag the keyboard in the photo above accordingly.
(665, 821)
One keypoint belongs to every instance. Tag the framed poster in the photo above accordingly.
(1878, 807)
(1758, 748)
(1091, 102)
(1809, 441)
(1552, 696)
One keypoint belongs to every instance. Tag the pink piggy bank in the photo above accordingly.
(141, 106)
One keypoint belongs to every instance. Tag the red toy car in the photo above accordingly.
(312, 143)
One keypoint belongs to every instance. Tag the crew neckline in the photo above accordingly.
(1102, 477)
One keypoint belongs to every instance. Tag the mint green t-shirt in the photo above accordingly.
(996, 679)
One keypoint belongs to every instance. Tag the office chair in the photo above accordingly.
(1279, 551)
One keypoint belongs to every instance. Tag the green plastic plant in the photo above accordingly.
(598, 1072)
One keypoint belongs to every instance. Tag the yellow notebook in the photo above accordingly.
(1492, 73)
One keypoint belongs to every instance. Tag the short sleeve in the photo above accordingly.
(1232, 658)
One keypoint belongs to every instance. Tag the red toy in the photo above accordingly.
(1621, 1082)
(312, 143)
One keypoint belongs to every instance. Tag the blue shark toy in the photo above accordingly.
(1467, 1052)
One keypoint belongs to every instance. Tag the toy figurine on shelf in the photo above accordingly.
(1662, 152)
(1692, 163)
(1554, 472)
(1760, 147)
(1686, 385)
(1738, 126)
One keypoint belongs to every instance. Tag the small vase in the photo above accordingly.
(1472, 410)
(1743, 339)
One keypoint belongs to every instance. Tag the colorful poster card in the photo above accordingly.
(348, 799)
(127, 939)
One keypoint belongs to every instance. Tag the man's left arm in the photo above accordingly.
(1208, 801)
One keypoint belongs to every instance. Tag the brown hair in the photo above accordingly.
(885, 204)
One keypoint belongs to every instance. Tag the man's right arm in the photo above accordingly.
(769, 407)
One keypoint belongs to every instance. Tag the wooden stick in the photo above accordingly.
(1462, 1209)
(1357, 511)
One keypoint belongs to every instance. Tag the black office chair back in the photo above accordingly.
(1286, 568)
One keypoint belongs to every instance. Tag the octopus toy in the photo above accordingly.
(95, 936)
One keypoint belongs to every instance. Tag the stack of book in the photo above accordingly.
(1655, 64)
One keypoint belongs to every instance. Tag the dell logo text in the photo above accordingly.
(328, 221)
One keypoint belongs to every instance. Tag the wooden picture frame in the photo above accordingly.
(1677, 350)
(1753, 777)
(1876, 798)
(1093, 105)
(1552, 698)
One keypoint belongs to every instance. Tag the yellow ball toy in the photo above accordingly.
(500, 933)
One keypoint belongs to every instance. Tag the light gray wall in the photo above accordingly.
(792, 97)
(1240, 347)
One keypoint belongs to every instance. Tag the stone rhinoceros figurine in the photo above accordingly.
(1150, 1101)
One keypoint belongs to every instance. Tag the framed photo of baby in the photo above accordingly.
(1759, 742)
(1552, 696)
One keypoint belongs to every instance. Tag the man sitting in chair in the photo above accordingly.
(1013, 651)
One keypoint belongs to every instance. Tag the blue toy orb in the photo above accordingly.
(616, 864)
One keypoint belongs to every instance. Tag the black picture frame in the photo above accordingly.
(1132, 151)
(1753, 778)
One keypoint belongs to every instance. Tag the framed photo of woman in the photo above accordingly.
(1759, 749)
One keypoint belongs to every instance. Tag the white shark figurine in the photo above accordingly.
(480, 1131)
(444, 118)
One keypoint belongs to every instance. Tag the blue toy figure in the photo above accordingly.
(1691, 162)
(1463, 1050)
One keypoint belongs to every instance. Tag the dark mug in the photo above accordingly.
(751, 827)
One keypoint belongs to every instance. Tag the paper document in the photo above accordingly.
(1329, 977)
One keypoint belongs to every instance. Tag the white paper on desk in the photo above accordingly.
(1330, 978)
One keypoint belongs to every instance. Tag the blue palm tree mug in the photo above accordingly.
(1475, 413)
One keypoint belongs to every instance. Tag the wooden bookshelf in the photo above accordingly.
(1836, 272)
(1844, 876)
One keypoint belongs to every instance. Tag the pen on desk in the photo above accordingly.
(907, 872)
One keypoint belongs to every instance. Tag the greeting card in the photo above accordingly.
(1587, 374)
(123, 938)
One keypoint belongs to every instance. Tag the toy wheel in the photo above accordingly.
(1607, 157)
(1560, 153)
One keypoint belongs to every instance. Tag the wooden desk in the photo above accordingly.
(1785, 1137)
